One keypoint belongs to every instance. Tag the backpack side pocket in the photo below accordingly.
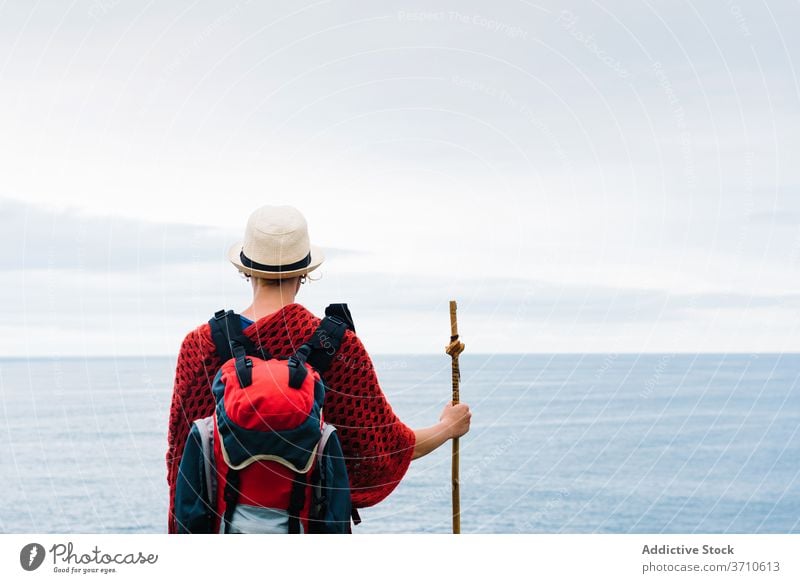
(195, 490)
(331, 504)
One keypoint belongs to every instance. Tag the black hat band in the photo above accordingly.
(247, 262)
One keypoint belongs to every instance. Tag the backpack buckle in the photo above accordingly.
(243, 365)
(297, 366)
(336, 320)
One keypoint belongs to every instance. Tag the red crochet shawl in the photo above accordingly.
(377, 445)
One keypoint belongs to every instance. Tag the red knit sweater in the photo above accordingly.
(377, 445)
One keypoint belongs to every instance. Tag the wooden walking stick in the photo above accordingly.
(455, 348)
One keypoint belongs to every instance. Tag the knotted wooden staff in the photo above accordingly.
(455, 348)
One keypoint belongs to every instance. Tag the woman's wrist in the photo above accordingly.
(445, 429)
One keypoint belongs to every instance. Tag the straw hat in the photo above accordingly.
(276, 245)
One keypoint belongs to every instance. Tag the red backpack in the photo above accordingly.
(266, 462)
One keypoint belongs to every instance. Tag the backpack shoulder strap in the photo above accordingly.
(327, 338)
(226, 329)
(342, 312)
(231, 342)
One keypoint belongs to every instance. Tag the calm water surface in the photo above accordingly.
(561, 443)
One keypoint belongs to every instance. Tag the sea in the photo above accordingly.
(562, 443)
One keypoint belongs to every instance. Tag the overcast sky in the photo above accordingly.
(582, 176)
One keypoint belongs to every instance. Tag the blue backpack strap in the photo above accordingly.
(327, 338)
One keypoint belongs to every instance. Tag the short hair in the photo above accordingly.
(269, 281)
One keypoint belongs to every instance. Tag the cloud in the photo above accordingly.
(68, 239)
(148, 311)
(53, 238)
(538, 301)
